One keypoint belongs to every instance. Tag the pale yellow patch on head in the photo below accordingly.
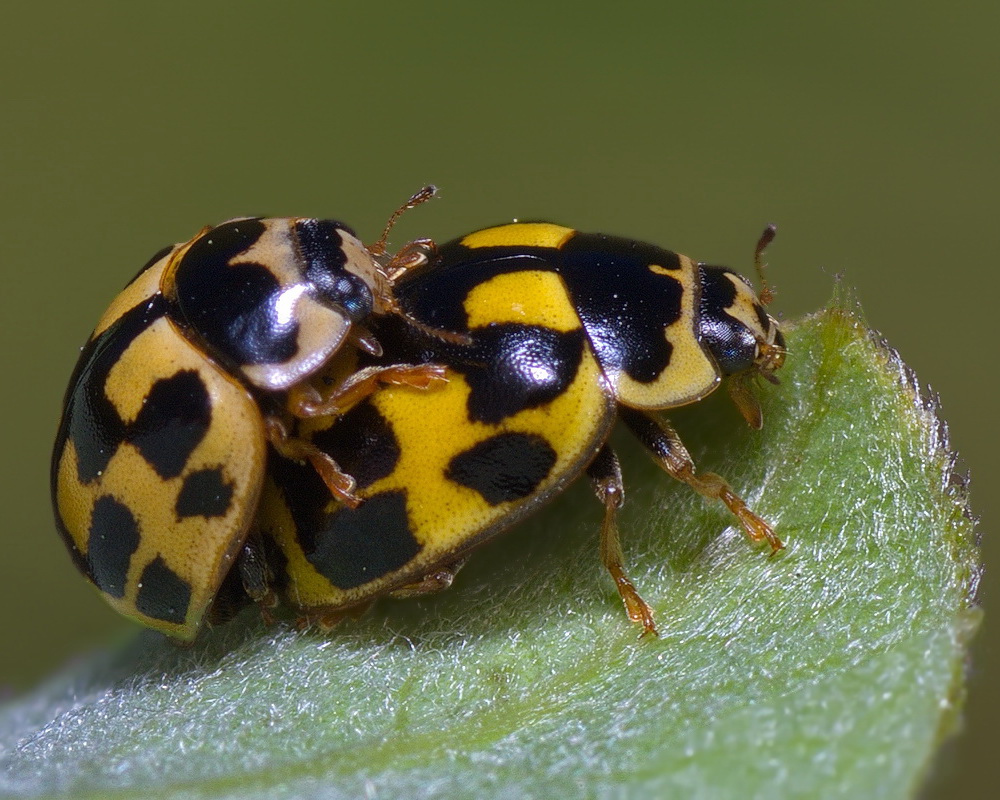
(275, 249)
(360, 262)
(691, 373)
(743, 307)
(322, 330)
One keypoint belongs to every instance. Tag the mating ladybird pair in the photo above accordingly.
(273, 411)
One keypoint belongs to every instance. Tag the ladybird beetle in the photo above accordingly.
(567, 332)
(203, 359)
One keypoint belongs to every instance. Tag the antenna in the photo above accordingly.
(766, 293)
(425, 194)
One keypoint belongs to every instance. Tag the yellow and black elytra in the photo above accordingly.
(567, 331)
(205, 357)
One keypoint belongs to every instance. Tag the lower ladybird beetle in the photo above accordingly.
(206, 356)
(567, 331)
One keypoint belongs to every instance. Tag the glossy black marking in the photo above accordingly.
(305, 496)
(320, 245)
(634, 254)
(624, 305)
(236, 309)
(205, 493)
(505, 467)
(172, 422)
(730, 342)
(436, 295)
(113, 537)
(516, 367)
(358, 545)
(90, 419)
(362, 443)
(509, 367)
(79, 559)
(163, 594)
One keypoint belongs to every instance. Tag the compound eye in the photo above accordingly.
(356, 296)
(327, 248)
(348, 292)
(731, 343)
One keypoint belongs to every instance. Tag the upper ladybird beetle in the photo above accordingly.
(567, 331)
(203, 359)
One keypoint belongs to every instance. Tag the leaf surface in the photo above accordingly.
(833, 669)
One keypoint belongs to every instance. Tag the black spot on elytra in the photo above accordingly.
(509, 367)
(505, 467)
(358, 545)
(234, 307)
(305, 495)
(90, 419)
(347, 546)
(205, 493)
(113, 538)
(436, 294)
(173, 420)
(624, 305)
(163, 594)
(516, 367)
(731, 343)
(362, 443)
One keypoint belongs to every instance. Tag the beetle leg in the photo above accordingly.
(250, 577)
(256, 576)
(606, 478)
(411, 255)
(327, 620)
(304, 401)
(670, 453)
(741, 390)
(365, 341)
(436, 581)
(452, 337)
(340, 484)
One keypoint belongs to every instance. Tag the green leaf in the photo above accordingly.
(833, 669)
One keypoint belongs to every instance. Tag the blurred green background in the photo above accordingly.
(868, 132)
